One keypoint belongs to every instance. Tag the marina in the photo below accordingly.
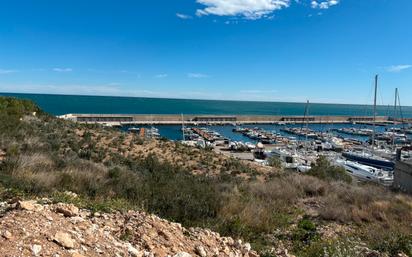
(298, 151)
(366, 151)
(365, 147)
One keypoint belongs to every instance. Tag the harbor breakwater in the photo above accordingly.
(141, 119)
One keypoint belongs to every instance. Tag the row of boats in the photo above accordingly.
(300, 155)
(354, 156)
(151, 132)
(363, 165)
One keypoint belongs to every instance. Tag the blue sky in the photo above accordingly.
(266, 50)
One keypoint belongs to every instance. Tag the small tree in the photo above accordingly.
(325, 171)
(274, 162)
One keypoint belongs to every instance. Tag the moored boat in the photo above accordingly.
(369, 159)
(366, 173)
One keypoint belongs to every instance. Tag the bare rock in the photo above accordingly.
(7, 235)
(133, 251)
(85, 234)
(77, 255)
(27, 205)
(182, 254)
(70, 194)
(200, 250)
(68, 210)
(36, 249)
(253, 254)
(64, 239)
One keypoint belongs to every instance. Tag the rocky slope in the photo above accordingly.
(39, 228)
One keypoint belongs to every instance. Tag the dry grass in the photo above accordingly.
(50, 155)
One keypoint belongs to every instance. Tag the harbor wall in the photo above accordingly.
(139, 119)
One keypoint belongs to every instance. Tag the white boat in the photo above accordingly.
(250, 146)
(289, 159)
(153, 133)
(133, 130)
(365, 172)
(370, 159)
(303, 168)
(337, 143)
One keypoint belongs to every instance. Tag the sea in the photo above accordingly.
(64, 104)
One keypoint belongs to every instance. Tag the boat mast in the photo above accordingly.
(400, 110)
(396, 103)
(183, 128)
(307, 120)
(374, 112)
(395, 116)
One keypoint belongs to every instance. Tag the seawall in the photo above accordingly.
(138, 119)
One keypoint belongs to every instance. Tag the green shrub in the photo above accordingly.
(304, 234)
(324, 170)
(332, 248)
(275, 162)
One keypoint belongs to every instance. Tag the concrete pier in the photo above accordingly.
(159, 119)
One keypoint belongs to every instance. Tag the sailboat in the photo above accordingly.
(366, 173)
(370, 158)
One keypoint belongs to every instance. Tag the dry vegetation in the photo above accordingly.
(311, 215)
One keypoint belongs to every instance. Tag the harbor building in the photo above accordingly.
(216, 118)
(298, 119)
(173, 119)
(403, 175)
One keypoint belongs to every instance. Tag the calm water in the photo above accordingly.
(173, 132)
(63, 104)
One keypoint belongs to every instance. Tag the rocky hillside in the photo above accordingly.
(39, 228)
(111, 173)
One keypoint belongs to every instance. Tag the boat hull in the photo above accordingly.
(382, 164)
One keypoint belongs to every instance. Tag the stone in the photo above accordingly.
(68, 210)
(182, 254)
(7, 235)
(27, 205)
(76, 220)
(200, 250)
(238, 244)
(248, 247)
(133, 251)
(36, 249)
(77, 255)
(70, 194)
(64, 239)
(253, 254)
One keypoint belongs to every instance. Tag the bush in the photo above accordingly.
(337, 248)
(46, 156)
(304, 234)
(275, 162)
(324, 170)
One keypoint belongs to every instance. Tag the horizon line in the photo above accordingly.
(195, 99)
